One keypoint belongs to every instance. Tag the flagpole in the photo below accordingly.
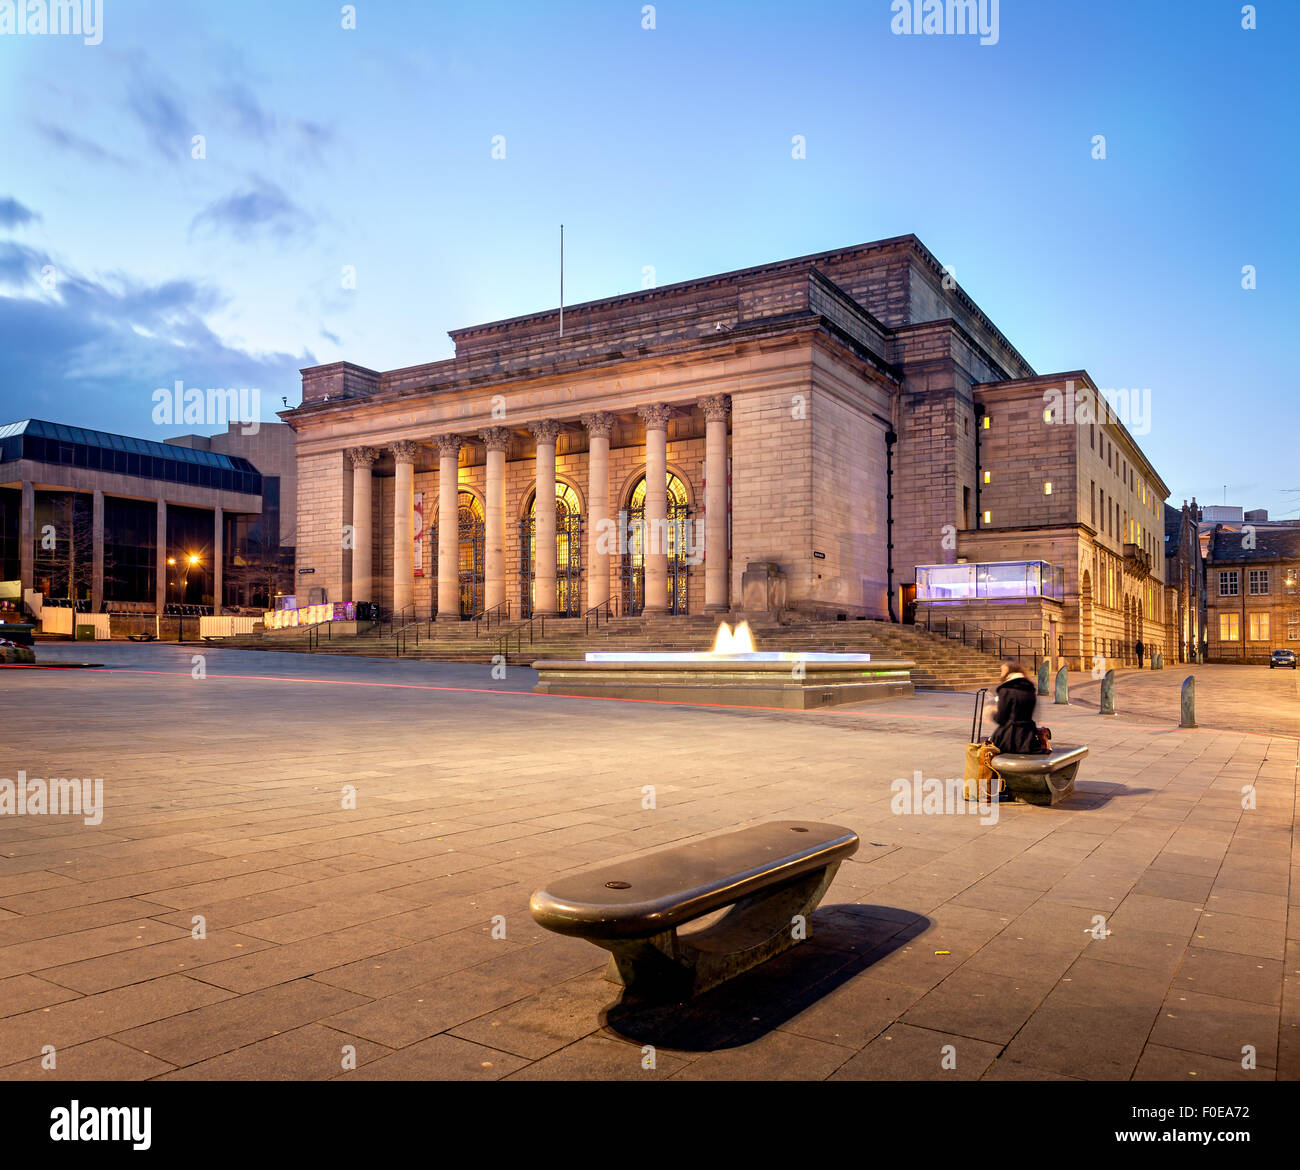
(561, 280)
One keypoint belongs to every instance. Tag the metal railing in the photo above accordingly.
(535, 627)
(500, 613)
(986, 641)
(591, 619)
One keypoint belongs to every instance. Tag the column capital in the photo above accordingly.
(449, 444)
(655, 416)
(599, 424)
(495, 438)
(545, 430)
(404, 450)
(363, 456)
(716, 406)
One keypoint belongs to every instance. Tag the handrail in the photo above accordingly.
(485, 616)
(517, 632)
(392, 620)
(399, 635)
(977, 636)
(593, 614)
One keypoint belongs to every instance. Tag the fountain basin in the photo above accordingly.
(791, 681)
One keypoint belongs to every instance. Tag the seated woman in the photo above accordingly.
(1017, 697)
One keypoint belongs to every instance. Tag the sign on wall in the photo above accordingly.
(418, 528)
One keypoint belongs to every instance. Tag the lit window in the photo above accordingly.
(1229, 627)
(988, 516)
(988, 477)
(986, 422)
(1047, 488)
(1047, 415)
(1259, 627)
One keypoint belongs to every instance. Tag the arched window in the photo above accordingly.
(678, 541)
(568, 554)
(469, 556)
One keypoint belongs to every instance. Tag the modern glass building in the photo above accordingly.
(104, 521)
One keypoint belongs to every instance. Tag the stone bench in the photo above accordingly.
(768, 878)
(1041, 778)
(142, 637)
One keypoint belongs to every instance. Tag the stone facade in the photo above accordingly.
(1252, 578)
(834, 369)
(1185, 581)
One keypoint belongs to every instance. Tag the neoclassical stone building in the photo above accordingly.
(802, 434)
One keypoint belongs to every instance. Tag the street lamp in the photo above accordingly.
(191, 561)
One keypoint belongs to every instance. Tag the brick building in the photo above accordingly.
(825, 424)
(1253, 590)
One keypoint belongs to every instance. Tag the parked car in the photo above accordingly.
(1282, 658)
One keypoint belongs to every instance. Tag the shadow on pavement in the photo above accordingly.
(845, 940)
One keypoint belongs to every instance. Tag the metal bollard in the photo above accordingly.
(1108, 694)
(1189, 702)
(1063, 686)
(1044, 674)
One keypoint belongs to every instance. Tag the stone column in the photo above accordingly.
(160, 557)
(449, 527)
(715, 410)
(97, 552)
(496, 440)
(218, 554)
(655, 532)
(404, 524)
(599, 427)
(544, 534)
(363, 527)
(27, 536)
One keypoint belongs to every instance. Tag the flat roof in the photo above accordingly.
(106, 440)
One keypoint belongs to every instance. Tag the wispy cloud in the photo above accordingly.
(15, 214)
(159, 112)
(66, 140)
(250, 117)
(264, 208)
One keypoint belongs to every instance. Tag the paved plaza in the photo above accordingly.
(307, 863)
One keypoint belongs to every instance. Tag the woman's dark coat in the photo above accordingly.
(1017, 732)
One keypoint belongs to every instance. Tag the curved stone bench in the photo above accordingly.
(771, 877)
(1042, 778)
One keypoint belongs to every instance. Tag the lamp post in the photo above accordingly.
(191, 561)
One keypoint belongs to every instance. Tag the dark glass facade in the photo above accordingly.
(130, 552)
(11, 500)
(66, 446)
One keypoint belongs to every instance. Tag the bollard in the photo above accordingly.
(1108, 694)
(1044, 672)
(1063, 686)
(1189, 702)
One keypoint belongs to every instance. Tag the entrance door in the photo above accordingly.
(632, 567)
(907, 594)
(568, 555)
(469, 557)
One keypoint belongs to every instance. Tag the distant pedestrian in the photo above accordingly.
(1139, 648)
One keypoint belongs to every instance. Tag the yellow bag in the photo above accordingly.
(978, 778)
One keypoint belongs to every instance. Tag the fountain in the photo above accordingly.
(733, 673)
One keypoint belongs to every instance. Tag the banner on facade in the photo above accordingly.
(418, 527)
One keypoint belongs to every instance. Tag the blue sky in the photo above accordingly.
(372, 148)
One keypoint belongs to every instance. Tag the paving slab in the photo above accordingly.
(248, 909)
